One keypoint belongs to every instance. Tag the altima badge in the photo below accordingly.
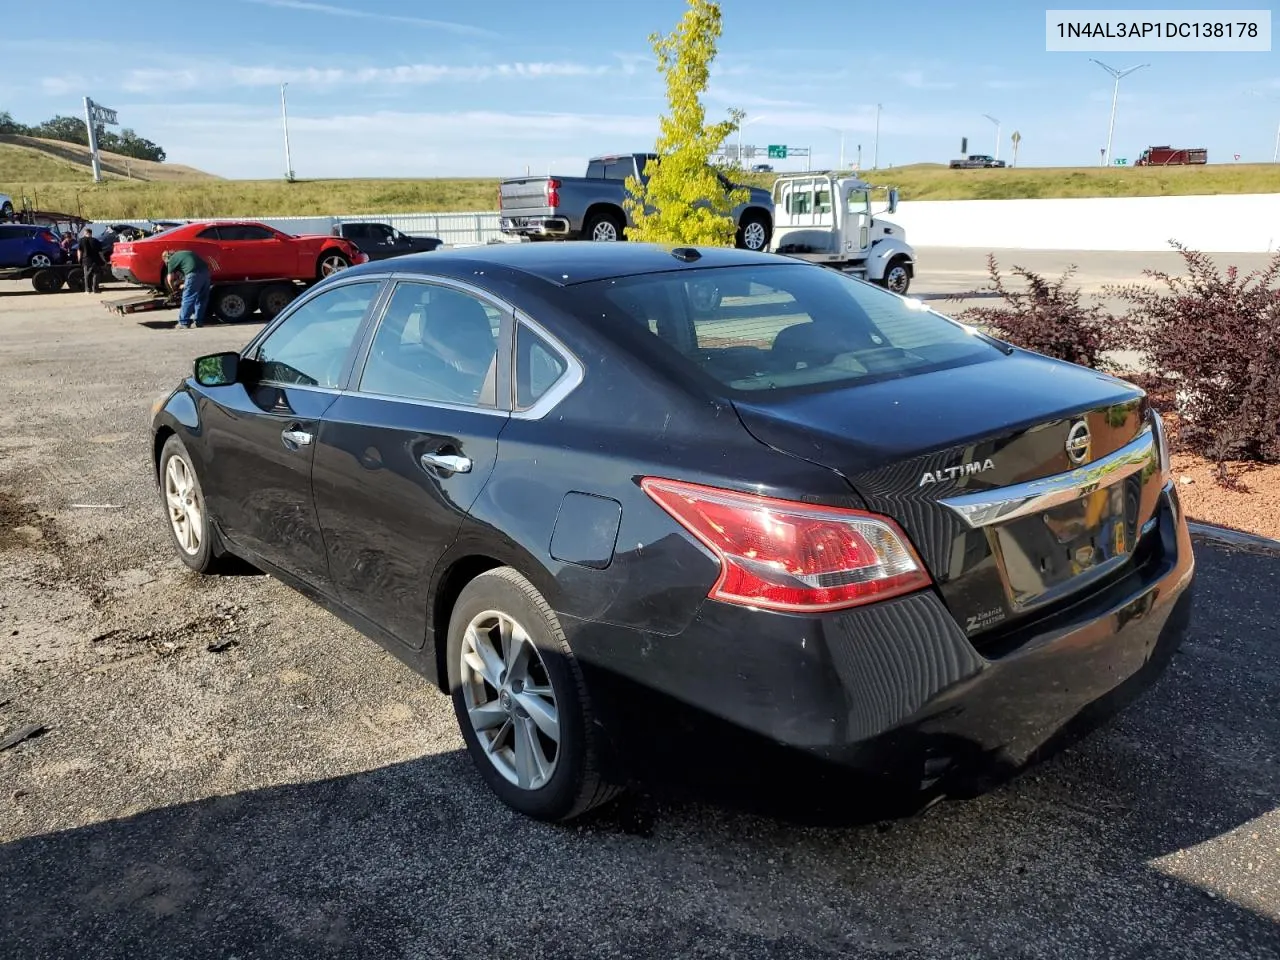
(955, 473)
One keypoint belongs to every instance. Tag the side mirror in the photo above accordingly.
(893, 199)
(218, 369)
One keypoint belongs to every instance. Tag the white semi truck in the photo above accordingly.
(827, 218)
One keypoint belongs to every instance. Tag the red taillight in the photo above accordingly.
(792, 557)
(47, 237)
(553, 193)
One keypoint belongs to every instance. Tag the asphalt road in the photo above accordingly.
(302, 794)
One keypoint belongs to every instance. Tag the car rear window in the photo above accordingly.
(780, 327)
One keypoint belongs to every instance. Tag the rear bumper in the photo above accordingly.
(535, 226)
(125, 274)
(896, 689)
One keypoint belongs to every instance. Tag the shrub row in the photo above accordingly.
(1209, 341)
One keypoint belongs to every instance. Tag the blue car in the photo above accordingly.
(22, 245)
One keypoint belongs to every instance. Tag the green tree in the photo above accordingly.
(9, 125)
(683, 197)
(66, 129)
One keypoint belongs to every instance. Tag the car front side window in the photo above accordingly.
(435, 344)
(310, 347)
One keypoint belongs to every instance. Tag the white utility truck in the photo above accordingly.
(826, 218)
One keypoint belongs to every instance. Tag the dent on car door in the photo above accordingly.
(402, 456)
(259, 435)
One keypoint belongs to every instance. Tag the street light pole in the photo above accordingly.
(1115, 97)
(997, 123)
(875, 147)
(284, 118)
(745, 123)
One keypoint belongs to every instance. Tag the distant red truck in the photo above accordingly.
(1172, 157)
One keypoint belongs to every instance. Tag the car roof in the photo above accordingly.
(569, 262)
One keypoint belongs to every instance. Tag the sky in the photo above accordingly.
(423, 88)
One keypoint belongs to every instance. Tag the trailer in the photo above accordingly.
(1167, 156)
(229, 301)
(48, 279)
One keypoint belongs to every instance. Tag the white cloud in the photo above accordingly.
(474, 143)
(918, 80)
(328, 9)
(62, 85)
(215, 76)
(742, 99)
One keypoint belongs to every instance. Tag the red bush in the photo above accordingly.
(1214, 337)
(1047, 318)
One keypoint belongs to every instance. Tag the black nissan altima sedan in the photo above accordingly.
(553, 476)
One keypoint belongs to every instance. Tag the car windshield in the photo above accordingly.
(784, 327)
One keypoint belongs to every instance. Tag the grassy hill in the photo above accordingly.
(30, 162)
(190, 193)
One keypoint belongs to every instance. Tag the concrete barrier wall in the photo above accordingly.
(1221, 224)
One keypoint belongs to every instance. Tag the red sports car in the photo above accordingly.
(236, 250)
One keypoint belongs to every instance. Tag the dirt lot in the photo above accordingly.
(228, 771)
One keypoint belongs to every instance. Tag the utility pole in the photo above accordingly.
(875, 148)
(284, 118)
(1115, 97)
(997, 123)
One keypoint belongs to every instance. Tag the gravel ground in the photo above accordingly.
(228, 771)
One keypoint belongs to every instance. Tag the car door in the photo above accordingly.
(255, 253)
(12, 246)
(261, 434)
(403, 454)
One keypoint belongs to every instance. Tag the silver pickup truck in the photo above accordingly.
(590, 207)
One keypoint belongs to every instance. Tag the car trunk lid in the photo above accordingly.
(974, 463)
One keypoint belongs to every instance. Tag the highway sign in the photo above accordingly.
(1121, 162)
(777, 151)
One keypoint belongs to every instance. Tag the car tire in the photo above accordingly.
(190, 526)
(274, 298)
(604, 227)
(331, 262)
(496, 710)
(897, 275)
(754, 233)
(6, 211)
(75, 280)
(231, 304)
(39, 261)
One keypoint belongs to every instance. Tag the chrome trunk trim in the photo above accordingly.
(988, 507)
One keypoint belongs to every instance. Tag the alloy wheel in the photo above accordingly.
(897, 279)
(509, 700)
(753, 237)
(332, 264)
(606, 231)
(186, 512)
(41, 260)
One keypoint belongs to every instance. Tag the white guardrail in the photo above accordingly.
(1244, 223)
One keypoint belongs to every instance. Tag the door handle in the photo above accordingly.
(299, 437)
(447, 462)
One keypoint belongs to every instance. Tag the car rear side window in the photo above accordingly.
(538, 367)
(311, 345)
(785, 326)
(435, 344)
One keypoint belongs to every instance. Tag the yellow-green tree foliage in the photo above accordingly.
(684, 201)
